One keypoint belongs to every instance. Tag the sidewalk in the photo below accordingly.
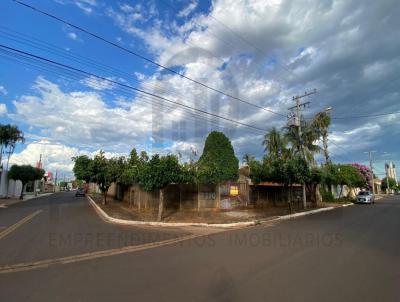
(5, 202)
(117, 213)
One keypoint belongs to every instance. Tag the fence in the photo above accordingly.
(185, 196)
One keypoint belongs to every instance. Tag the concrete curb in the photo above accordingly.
(110, 219)
(6, 205)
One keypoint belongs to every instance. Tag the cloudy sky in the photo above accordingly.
(259, 53)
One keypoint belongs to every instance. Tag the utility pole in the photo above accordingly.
(387, 178)
(372, 170)
(55, 181)
(297, 123)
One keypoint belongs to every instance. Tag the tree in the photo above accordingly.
(77, 183)
(9, 136)
(115, 168)
(132, 168)
(320, 126)
(25, 173)
(351, 177)
(101, 173)
(330, 175)
(313, 182)
(392, 183)
(81, 167)
(366, 173)
(258, 171)
(275, 144)
(288, 171)
(63, 184)
(159, 172)
(218, 162)
(306, 144)
(247, 159)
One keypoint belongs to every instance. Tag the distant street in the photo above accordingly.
(349, 254)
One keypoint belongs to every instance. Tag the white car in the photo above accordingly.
(365, 197)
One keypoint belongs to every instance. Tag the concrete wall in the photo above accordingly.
(13, 187)
(346, 192)
(182, 196)
(265, 196)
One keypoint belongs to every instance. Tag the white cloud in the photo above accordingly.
(3, 109)
(83, 118)
(55, 156)
(72, 36)
(86, 6)
(188, 9)
(3, 90)
(98, 84)
(262, 51)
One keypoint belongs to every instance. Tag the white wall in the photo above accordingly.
(345, 193)
(3, 179)
(14, 187)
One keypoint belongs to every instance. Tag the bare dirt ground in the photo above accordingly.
(121, 210)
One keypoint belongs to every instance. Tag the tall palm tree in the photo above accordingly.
(320, 125)
(275, 144)
(3, 140)
(305, 143)
(247, 159)
(12, 137)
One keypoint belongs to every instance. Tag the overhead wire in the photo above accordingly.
(96, 36)
(143, 99)
(141, 91)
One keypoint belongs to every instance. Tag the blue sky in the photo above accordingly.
(261, 51)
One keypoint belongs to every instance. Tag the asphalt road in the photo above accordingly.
(66, 226)
(349, 254)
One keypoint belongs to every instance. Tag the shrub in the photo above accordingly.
(327, 196)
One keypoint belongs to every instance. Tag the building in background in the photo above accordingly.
(390, 169)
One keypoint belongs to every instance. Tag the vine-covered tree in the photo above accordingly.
(218, 162)
(25, 173)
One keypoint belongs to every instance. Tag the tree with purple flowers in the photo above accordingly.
(366, 173)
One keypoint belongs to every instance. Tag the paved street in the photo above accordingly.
(349, 254)
(66, 226)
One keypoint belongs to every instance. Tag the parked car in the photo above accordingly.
(80, 192)
(365, 197)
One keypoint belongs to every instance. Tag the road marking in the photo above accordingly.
(18, 224)
(92, 255)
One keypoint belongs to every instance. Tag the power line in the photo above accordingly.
(166, 3)
(142, 57)
(48, 48)
(249, 43)
(125, 86)
(219, 38)
(144, 98)
(164, 107)
(367, 115)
